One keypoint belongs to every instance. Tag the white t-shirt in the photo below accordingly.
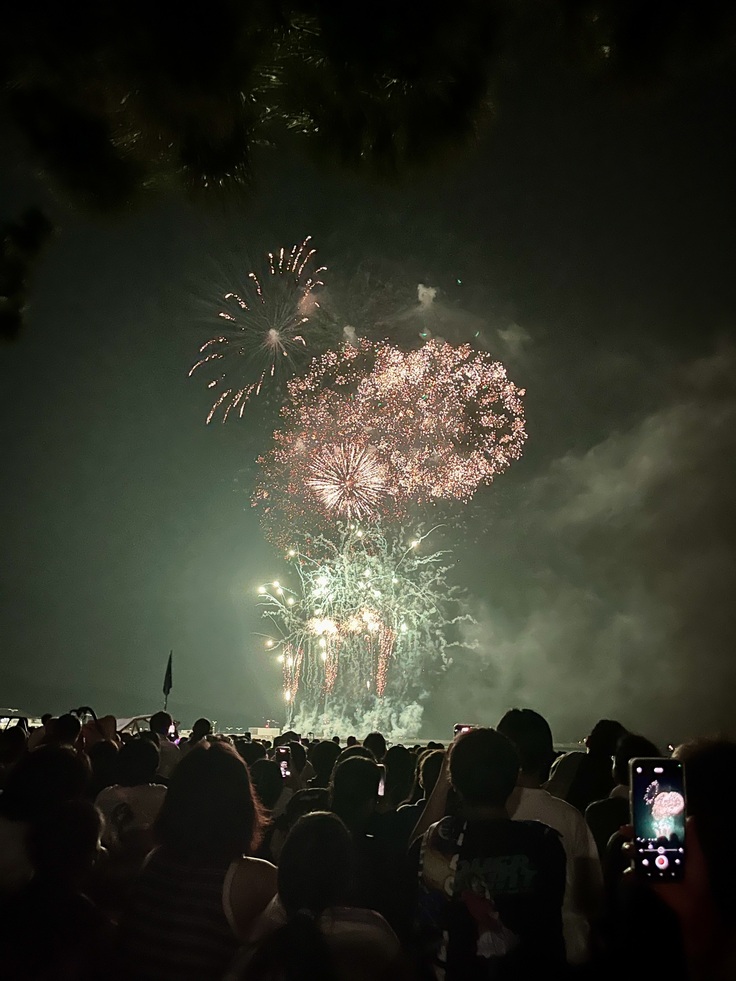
(170, 756)
(128, 809)
(584, 880)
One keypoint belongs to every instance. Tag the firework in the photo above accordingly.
(665, 805)
(362, 624)
(426, 425)
(349, 480)
(264, 330)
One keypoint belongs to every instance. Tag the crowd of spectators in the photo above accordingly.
(218, 858)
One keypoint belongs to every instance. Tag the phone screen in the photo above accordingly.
(658, 815)
(283, 756)
(382, 781)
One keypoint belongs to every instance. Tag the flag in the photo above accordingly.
(168, 684)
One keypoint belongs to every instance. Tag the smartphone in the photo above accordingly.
(461, 727)
(658, 811)
(382, 781)
(284, 759)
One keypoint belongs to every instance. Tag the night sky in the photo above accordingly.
(593, 234)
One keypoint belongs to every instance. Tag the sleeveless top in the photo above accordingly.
(179, 925)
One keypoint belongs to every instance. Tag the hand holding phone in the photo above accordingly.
(658, 810)
(460, 727)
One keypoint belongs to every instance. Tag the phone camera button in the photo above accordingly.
(661, 861)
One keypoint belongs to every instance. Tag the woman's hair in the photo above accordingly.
(46, 777)
(315, 864)
(63, 844)
(354, 785)
(314, 874)
(210, 811)
(399, 763)
(298, 756)
(103, 756)
(267, 782)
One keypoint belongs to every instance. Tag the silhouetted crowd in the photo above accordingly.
(216, 858)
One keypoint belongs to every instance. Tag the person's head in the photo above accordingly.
(285, 737)
(13, 744)
(531, 735)
(161, 722)
(64, 842)
(354, 790)
(304, 802)
(430, 766)
(362, 751)
(323, 756)
(252, 751)
(298, 757)
(376, 743)
(313, 875)
(336, 739)
(210, 811)
(628, 748)
(484, 766)
(46, 718)
(711, 801)
(399, 763)
(200, 730)
(65, 730)
(315, 864)
(151, 736)
(267, 782)
(42, 779)
(103, 757)
(604, 737)
(138, 762)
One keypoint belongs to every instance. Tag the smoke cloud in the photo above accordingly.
(611, 579)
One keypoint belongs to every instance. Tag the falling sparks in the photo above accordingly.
(362, 619)
(263, 331)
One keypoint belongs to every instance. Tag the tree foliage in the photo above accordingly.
(115, 98)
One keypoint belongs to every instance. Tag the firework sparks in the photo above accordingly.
(665, 805)
(427, 425)
(349, 480)
(263, 331)
(367, 615)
